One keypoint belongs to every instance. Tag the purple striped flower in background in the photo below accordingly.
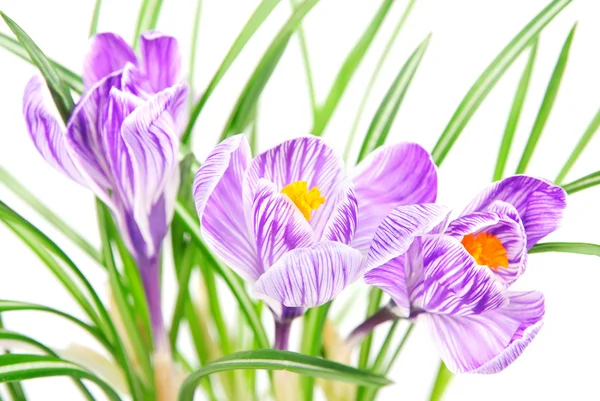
(456, 275)
(291, 223)
(122, 142)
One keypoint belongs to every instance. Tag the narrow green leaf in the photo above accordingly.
(585, 139)
(588, 181)
(71, 79)
(95, 18)
(488, 79)
(580, 248)
(378, 67)
(386, 113)
(193, 49)
(307, 68)
(243, 111)
(19, 367)
(375, 295)
(441, 383)
(15, 186)
(547, 103)
(312, 341)
(515, 113)
(58, 89)
(348, 69)
(147, 18)
(269, 359)
(256, 19)
(232, 281)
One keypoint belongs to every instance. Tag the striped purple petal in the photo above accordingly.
(398, 230)
(108, 53)
(161, 60)
(309, 277)
(45, 130)
(307, 159)
(278, 225)
(391, 176)
(540, 203)
(501, 220)
(342, 221)
(218, 197)
(488, 342)
(391, 278)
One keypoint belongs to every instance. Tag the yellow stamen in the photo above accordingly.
(487, 250)
(306, 201)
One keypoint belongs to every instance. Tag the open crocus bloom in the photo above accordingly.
(286, 220)
(121, 140)
(456, 276)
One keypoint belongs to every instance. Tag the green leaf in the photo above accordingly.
(258, 17)
(348, 69)
(588, 181)
(243, 111)
(193, 49)
(95, 18)
(312, 340)
(58, 89)
(515, 113)
(375, 296)
(147, 18)
(71, 79)
(580, 248)
(232, 281)
(585, 139)
(378, 67)
(19, 367)
(488, 79)
(269, 359)
(441, 383)
(307, 68)
(547, 103)
(386, 113)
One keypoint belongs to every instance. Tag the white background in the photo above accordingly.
(562, 363)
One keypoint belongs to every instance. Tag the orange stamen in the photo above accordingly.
(486, 249)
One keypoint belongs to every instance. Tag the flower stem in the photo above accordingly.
(282, 334)
(383, 315)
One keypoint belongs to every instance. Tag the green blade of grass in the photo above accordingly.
(386, 113)
(488, 79)
(515, 113)
(585, 139)
(147, 18)
(307, 68)
(580, 248)
(193, 49)
(348, 69)
(312, 341)
(588, 181)
(258, 17)
(547, 103)
(59, 90)
(95, 18)
(441, 383)
(378, 67)
(243, 111)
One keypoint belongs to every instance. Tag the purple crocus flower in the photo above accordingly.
(122, 142)
(291, 223)
(457, 276)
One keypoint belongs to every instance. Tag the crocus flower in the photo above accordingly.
(457, 276)
(122, 142)
(288, 220)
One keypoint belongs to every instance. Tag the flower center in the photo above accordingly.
(486, 249)
(306, 201)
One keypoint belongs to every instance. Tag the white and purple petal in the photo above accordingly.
(161, 60)
(343, 219)
(391, 176)
(539, 202)
(488, 342)
(309, 277)
(278, 225)
(108, 53)
(218, 197)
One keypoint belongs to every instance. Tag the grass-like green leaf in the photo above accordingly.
(307, 68)
(147, 18)
(378, 67)
(58, 88)
(71, 79)
(95, 17)
(515, 113)
(258, 17)
(193, 50)
(386, 113)
(582, 183)
(243, 111)
(312, 340)
(348, 69)
(488, 79)
(441, 383)
(236, 287)
(585, 139)
(547, 103)
(269, 359)
(580, 248)
(19, 367)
